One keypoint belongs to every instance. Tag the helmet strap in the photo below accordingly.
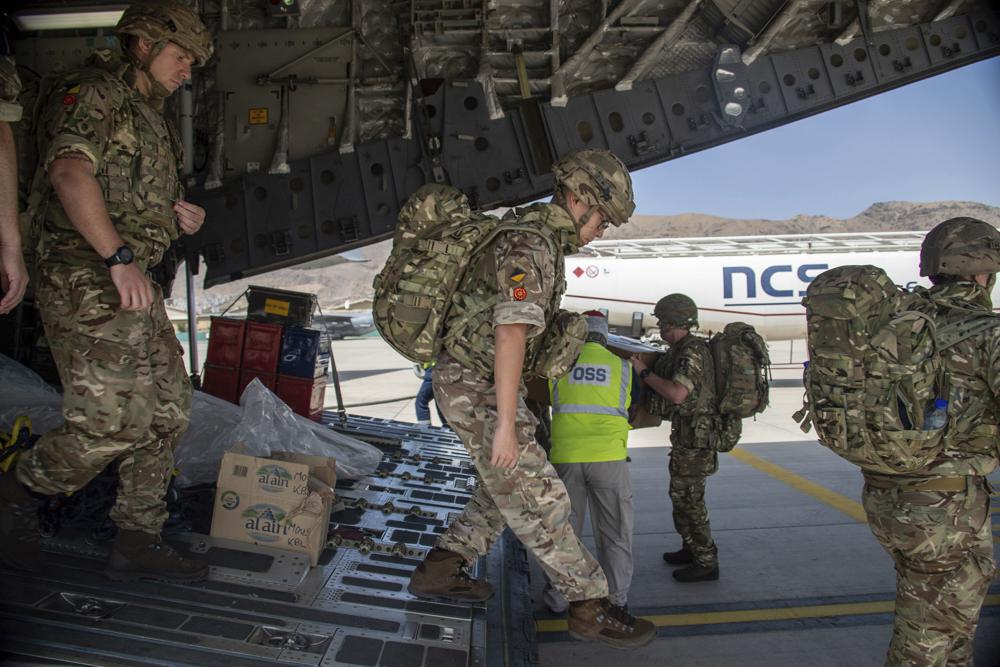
(157, 91)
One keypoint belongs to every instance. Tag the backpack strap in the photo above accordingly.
(955, 332)
(486, 261)
(704, 392)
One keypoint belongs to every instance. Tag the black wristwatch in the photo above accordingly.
(123, 255)
(644, 373)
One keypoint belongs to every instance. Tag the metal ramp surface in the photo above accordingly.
(266, 607)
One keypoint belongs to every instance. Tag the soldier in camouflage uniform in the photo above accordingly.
(13, 275)
(935, 522)
(501, 315)
(684, 381)
(111, 206)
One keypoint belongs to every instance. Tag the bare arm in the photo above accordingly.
(13, 275)
(511, 341)
(674, 392)
(74, 183)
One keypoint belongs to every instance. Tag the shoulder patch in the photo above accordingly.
(519, 294)
(517, 276)
(69, 99)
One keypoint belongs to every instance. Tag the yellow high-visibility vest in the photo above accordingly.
(590, 408)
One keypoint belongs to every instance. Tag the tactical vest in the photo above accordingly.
(699, 403)
(137, 175)
(590, 408)
(468, 333)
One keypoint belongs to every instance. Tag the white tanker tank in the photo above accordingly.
(759, 280)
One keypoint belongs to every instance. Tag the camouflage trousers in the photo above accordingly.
(689, 472)
(529, 498)
(942, 546)
(126, 396)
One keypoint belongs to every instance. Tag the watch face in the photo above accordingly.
(126, 255)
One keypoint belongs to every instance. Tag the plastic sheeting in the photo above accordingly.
(23, 392)
(262, 423)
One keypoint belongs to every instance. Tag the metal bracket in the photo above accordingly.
(866, 23)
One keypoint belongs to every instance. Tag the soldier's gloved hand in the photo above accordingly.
(13, 278)
(505, 450)
(134, 288)
(190, 217)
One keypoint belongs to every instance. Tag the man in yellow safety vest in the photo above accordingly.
(590, 424)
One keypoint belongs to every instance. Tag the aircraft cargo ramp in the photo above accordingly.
(266, 607)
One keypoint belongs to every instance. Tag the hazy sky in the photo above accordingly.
(938, 139)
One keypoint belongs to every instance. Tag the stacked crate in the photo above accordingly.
(221, 376)
(273, 345)
(261, 352)
(302, 371)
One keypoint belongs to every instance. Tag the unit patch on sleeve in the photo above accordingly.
(69, 99)
(517, 276)
(519, 294)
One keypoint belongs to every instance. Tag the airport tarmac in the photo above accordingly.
(803, 581)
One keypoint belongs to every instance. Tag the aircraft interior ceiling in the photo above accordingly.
(314, 120)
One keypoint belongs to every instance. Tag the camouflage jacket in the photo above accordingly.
(97, 112)
(689, 363)
(520, 280)
(973, 366)
(10, 87)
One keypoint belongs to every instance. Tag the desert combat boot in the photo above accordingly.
(137, 555)
(683, 556)
(20, 547)
(697, 573)
(600, 620)
(442, 575)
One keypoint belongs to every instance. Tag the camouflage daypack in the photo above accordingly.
(438, 240)
(875, 367)
(742, 370)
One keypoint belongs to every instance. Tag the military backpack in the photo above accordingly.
(876, 368)
(439, 239)
(740, 384)
(742, 370)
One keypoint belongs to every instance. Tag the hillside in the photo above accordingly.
(336, 284)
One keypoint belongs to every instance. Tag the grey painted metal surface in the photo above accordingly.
(336, 201)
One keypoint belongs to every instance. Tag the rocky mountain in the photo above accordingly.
(353, 281)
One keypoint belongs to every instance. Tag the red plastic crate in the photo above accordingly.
(247, 376)
(304, 396)
(225, 342)
(262, 347)
(221, 381)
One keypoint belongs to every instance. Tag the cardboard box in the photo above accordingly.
(280, 503)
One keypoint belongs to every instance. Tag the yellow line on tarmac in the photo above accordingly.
(758, 615)
(849, 507)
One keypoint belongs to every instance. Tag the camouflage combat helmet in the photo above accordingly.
(677, 310)
(163, 21)
(600, 179)
(960, 247)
